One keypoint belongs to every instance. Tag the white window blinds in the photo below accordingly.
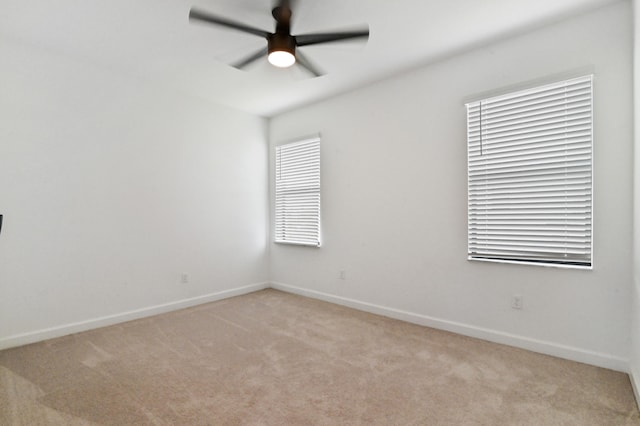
(530, 175)
(298, 193)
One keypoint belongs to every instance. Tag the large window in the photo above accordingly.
(298, 193)
(530, 175)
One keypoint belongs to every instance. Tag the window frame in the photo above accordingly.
(298, 191)
(475, 129)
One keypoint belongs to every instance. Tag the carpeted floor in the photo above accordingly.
(277, 359)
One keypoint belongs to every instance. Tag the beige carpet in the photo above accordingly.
(278, 359)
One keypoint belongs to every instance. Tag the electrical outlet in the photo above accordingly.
(342, 274)
(516, 301)
(184, 278)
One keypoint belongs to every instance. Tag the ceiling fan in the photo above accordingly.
(281, 50)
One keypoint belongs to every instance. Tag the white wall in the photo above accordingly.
(111, 188)
(394, 199)
(635, 318)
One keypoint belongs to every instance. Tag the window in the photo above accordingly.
(530, 175)
(298, 193)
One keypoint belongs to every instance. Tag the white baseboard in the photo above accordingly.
(634, 376)
(76, 327)
(547, 348)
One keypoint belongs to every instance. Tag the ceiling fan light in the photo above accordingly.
(281, 58)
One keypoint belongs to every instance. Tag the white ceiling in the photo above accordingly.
(153, 40)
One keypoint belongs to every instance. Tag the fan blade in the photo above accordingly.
(308, 65)
(309, 39)
(251, 58)
(206, 17)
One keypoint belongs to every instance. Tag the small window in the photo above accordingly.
(530, 175)
(298, 193)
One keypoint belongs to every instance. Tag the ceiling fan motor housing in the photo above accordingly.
(279, 42)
